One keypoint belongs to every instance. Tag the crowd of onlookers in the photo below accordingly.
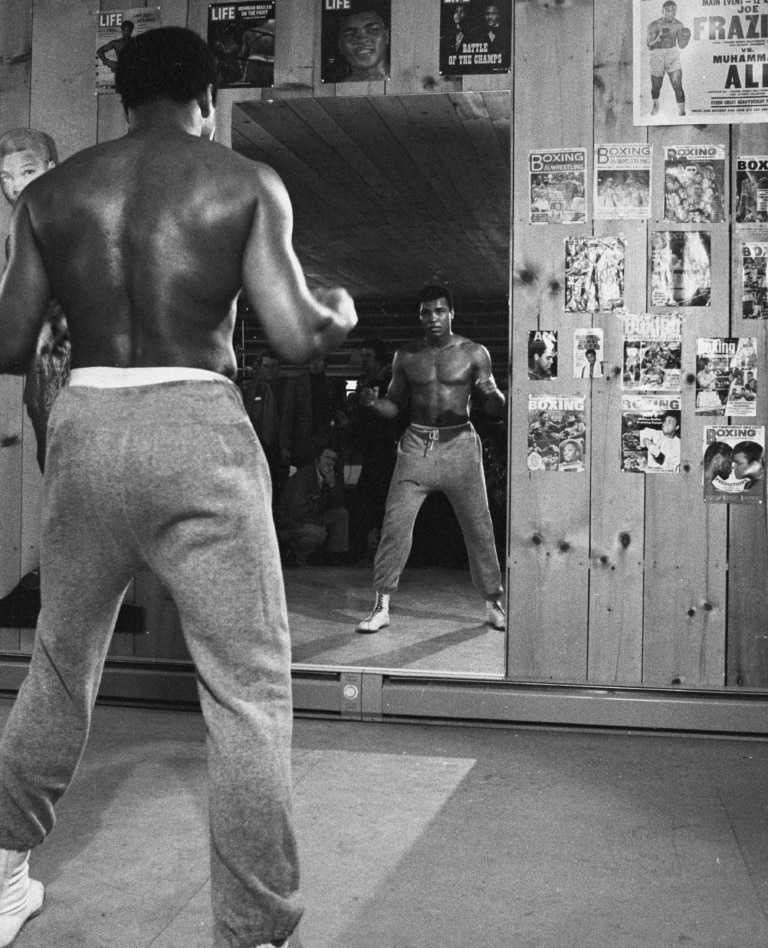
(319, 442)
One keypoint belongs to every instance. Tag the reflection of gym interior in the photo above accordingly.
(437, 615)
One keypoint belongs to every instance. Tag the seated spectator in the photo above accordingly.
(310, 516)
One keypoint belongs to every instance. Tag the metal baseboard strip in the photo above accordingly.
(371, 695)
(714, 713)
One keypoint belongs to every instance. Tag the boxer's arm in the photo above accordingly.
(300, 326)
(397, 393)
(25, 294)
(485, 384)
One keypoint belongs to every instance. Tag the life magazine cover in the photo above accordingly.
(542, 354)
(355, 37)
(650, 433)
(681, 268)
(754, 256)
(652, 352)
(726, 376)
(594, 274)
(751, 192)
(694, 183)
(242, 38)
(114, 28)
(588, 353)
(622, 181)
(475, 37)
(699, 62)
(734, 464)
(558, 186)
(557, 433)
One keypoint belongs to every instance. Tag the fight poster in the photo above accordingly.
(475, 37)
(751, 192)
(114, 28)
(694, 184)
(734, 464)
(754, 281)
(652, 356)
(681, 272)
(588, 353)
(622, 182)
(242, 37)
(594, 274)
(355, 40)
(542, 355)
(557, 433)
(726, 377)
(650, 433)
(557, 180)
(700, 62)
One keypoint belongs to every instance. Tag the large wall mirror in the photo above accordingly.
(390, 193)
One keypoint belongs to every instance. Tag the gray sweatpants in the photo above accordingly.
(438, 459)
(168, 477)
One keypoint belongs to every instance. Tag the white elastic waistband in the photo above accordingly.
(105, 376)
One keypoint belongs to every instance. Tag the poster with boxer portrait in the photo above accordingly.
(114, 28)
(734, 464)
(681, 268)
(475, 37)
(650, 433)
(355, 40)
(622, 181)
(694, 184)
(557, 433)
(242, 38)
(752, 193)
(700, 62)
(754, 279)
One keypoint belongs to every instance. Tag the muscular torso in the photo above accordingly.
(664, 33)
(439, 380)
(154, 231)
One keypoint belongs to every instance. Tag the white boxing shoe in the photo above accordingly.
(494, 614)
(379, 617)
(20, 897)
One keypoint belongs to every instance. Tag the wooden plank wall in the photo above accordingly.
(613, 579)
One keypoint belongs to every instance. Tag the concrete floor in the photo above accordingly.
(437, 622)
(418, 836)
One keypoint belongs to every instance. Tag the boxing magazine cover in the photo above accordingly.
(588, 353)
(681, 268)
(622, 181)
(475, 37)
(557, 433)
(558, 186)
(594, 274)
(694, 183)
(700, 62)
(734, 464)
(751, 192)
(542, 354)
(113, 29)
(652, 354)
(754, 296)
(242, 38)
(726, 376)
(650, 433)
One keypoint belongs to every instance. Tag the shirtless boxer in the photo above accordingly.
(664, 37)
(152, 464)
(440, 450)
